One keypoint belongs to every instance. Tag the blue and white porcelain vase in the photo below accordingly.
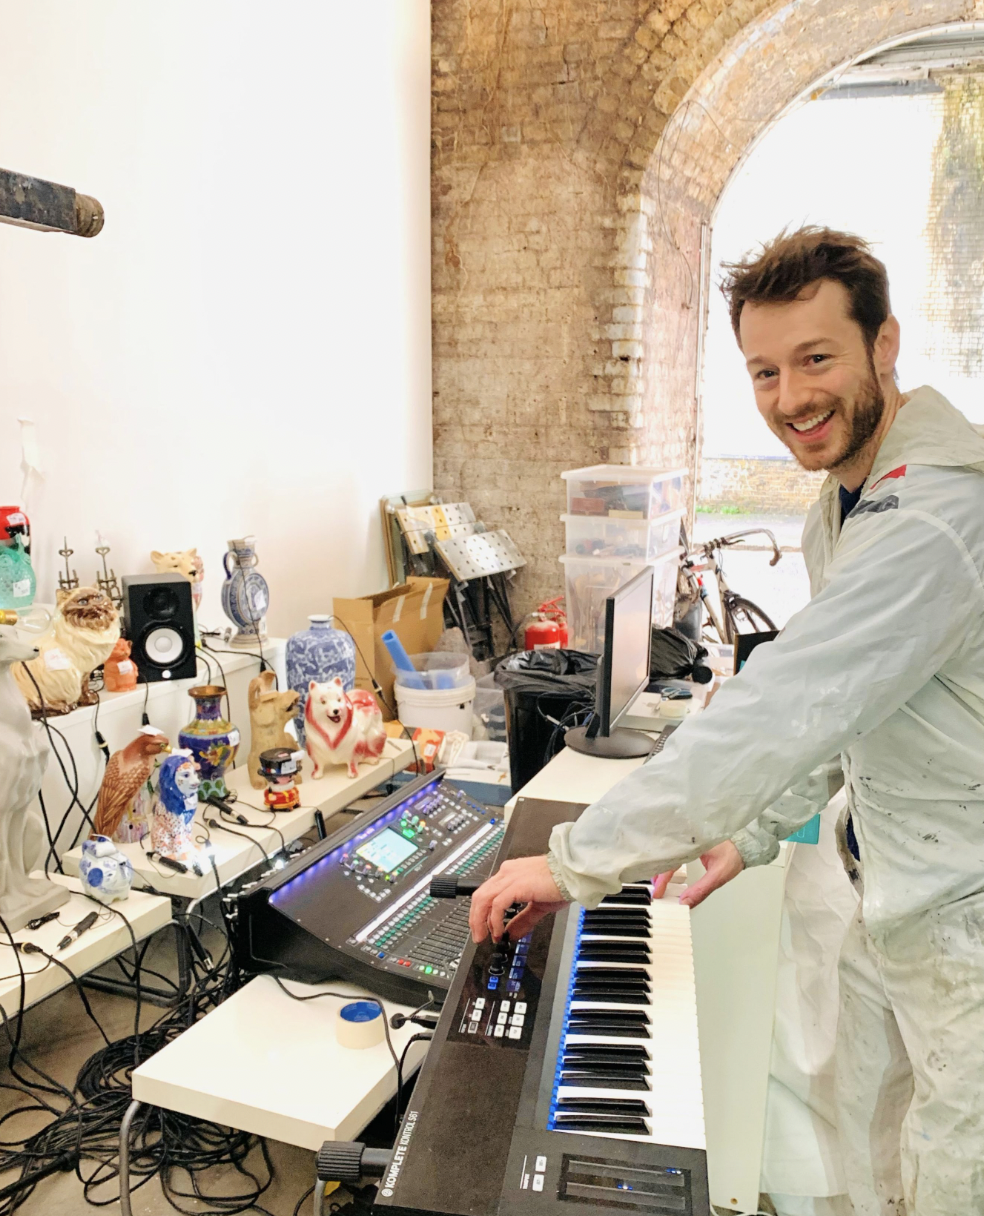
(318, 653)
(245, 594)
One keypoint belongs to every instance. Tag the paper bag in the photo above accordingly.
(415, 613)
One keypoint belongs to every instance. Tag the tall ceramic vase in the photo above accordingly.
(211, 739)
(245, 594)
(318, 653)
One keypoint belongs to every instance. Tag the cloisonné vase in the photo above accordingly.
(211, 739)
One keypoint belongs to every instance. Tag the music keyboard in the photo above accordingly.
(565, 1067)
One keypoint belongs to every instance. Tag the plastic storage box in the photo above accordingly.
(624, 491)
(629, 539)
(591, 580)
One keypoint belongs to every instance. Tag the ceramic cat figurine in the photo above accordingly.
(185, 562)
(342, 727)
(80, 637)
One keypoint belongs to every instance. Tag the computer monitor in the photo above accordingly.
(622, 673)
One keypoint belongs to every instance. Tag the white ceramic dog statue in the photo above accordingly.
(23, 759)
(342, 727)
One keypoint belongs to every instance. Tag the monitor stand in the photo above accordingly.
(621, 744)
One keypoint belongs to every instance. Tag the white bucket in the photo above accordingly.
(437, 708)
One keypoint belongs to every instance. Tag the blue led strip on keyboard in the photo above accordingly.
(567, 1009)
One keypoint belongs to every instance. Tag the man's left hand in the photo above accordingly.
(526, 880)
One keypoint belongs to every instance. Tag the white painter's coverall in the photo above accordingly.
(885, 667)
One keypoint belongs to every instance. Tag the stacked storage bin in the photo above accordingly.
(619, 519)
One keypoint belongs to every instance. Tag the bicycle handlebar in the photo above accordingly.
(735, 538)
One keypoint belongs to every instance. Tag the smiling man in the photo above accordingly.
(878, 684)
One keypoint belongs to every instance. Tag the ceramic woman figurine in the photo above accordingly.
(119, 670)
(342, 727)
(211, 739)
(174, 809)
(23, 758)
(80, 637)
(106, 873)
(318, 653)
(123, 785)
(245, 594)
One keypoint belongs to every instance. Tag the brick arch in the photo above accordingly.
(579, 148)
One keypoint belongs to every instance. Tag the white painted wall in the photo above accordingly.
(246, 346)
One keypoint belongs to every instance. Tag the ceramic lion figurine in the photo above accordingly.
(79, 638)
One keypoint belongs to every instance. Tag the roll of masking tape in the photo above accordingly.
(359, 1024)
(675, 709)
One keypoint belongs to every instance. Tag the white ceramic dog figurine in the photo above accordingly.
(342, 727)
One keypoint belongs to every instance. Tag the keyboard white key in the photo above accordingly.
(640, 1067)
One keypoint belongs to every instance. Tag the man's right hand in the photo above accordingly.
(722, 863)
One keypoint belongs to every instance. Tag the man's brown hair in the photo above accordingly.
(795, 260)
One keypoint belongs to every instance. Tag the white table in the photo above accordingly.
(107, 938)
(231, 853)
(270, 1065)
(736, 953)
(119, 719)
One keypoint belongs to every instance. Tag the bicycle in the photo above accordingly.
(737, 614)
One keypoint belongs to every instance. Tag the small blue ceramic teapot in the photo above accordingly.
(106, 872)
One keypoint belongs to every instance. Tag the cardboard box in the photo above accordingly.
(415, 613)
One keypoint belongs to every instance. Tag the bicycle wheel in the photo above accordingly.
(742, 616)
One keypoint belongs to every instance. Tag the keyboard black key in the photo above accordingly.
(629, 996)
(611, 973)
(614, 952)
(613, 931)
(617, 1053)
(604, 1106)
(622, 1125)
(579, 1078)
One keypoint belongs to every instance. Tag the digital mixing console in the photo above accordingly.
(357, 906)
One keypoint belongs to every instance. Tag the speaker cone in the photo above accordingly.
(164, 647)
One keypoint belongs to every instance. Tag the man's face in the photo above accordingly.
(814, 379)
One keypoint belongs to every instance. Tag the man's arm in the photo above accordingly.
(758, 842)
(902, 597)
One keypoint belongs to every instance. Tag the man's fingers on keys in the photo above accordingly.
(660, 883)
(478, 915)
(500, 903)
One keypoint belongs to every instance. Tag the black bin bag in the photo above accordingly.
(540, 685)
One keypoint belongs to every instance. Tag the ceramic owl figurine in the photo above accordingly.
(175, 806)
(105, 871)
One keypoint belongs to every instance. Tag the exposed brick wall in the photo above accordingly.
(770, 485)
(570, 190)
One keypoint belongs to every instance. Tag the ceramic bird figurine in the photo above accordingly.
(106, 873)
(175, 806)
(80, 637)
(23, 759)
(123, 783)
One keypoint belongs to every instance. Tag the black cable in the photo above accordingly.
(218, 823)
(297, 1206)
(144, 716)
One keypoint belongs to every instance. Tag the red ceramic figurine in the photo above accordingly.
(119, 670)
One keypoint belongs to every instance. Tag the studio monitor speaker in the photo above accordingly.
(159, 620)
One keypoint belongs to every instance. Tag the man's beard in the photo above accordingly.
(868, 410)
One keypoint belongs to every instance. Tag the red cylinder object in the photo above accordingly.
(542, 634)
(14, 517)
